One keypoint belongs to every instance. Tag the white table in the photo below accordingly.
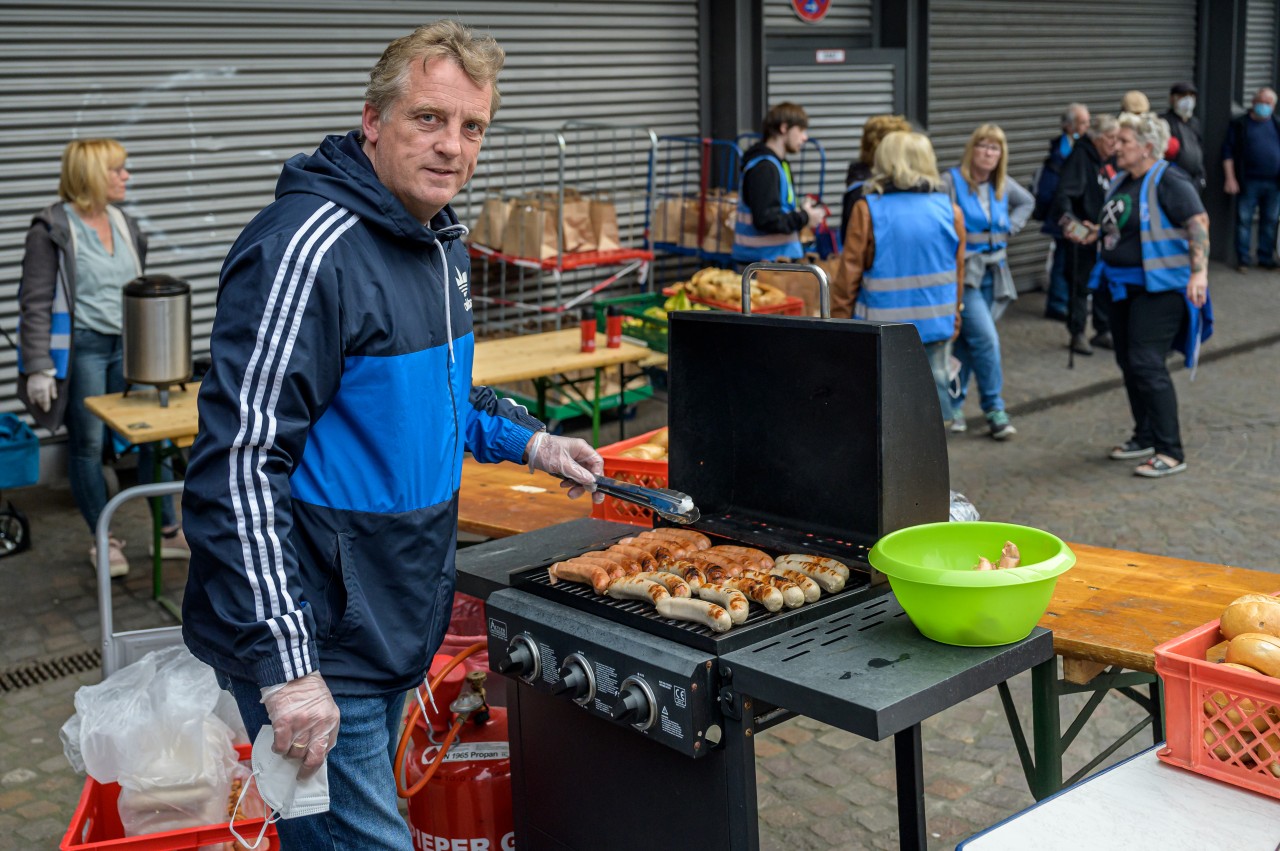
(1141, 803)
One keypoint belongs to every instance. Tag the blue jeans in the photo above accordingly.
(1058, 298)
(1262, 195)
(939, 353)
(363, 813)
(978, 348)
(97, 367)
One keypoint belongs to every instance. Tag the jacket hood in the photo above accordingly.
(756, 151)
(340, 172)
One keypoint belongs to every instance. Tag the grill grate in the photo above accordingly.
(48, 670)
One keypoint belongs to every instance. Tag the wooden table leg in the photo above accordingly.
(909, 762)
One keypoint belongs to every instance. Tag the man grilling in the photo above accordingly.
(322, 494)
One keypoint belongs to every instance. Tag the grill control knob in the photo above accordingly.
(636, 705)
(522, 659)
(576, 680)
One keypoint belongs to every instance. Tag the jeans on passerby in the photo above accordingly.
(363, 811)
(939, 355)
(1144, 326)
(1258, 194)
(97, 367)
(1080, 262)
(978, 348)
(1055, 303)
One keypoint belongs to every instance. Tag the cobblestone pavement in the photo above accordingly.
(819, 788)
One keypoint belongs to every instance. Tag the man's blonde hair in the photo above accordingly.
(479, 56)
(85, 163)
(874, 130)
(1149, 129)
(905, 160)
(986, 133)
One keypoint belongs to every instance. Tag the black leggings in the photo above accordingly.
(1143, 327)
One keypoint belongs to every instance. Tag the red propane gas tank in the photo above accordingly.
(466, 806)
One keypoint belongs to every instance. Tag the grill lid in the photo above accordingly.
(828, 427)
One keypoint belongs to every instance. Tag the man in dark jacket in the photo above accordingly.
(322, 493)
(770, 217)
(1082, 190)
(1075, 123)
(1251, 160)
(1186, 144)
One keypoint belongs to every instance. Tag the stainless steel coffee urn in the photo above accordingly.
(157, 333)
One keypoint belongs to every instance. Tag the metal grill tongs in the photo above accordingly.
(666, 503)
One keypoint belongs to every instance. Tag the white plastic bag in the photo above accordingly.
(154, 728)
(961, 508)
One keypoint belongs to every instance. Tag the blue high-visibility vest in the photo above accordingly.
(750, 244)
(1166, 251)
(982, 233)
(913, 276)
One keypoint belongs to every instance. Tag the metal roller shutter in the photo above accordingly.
(845, 15)
(838, 99)
(210, 98)
(1259, 47)
(1016, 63)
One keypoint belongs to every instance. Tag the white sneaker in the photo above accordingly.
(172, 545)
(115, 557)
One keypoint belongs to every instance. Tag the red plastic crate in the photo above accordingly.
(789, 306)
(96, 825)
(640, 471)
(1237, 742)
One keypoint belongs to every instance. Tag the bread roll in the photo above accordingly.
(1257, 650)
(1251, 616)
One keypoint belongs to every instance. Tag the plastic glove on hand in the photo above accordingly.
(42, 389)
(570, 459)
(304, 719)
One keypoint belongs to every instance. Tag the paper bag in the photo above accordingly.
(722, 216)
(676, 221)
(530, 232)
(579, 234)
(604, 224)
(491, 222)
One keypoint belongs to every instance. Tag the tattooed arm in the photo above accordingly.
(1198, 236)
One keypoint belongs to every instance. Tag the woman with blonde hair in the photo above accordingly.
(995, 207)
(903, 258)
(80, 252)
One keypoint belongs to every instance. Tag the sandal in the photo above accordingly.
(1132, 450)
(1158, 468)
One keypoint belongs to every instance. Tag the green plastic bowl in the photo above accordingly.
(930, 569)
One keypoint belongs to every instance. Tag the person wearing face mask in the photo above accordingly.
(80, 253)
(995, 207)
(770, 217)
(1251, 161)
(1085, 178)
(1186, 144)
(322, 492)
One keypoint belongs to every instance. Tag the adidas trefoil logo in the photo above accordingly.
(462, 280)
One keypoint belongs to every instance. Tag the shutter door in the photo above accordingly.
(1014, 63)
(1259, 47)
(838, 99)
(780, 17)
(211, 98)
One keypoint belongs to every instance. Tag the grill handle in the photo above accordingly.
(824, 285)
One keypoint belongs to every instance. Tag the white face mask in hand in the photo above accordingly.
(285, 795)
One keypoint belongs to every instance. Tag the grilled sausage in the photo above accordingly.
(627, 563)
(810, 588)
(696, 611)
(707, 561)
(792, 595)
(643, 557)
(632, 588)
(828, 580)
(585, 572)
(659, 549)
(821, 561)
(699, 540)
(762, 559)
(735, 602)
(610, 567)
(766, 595)
(687, 571)
(676, 586)
(678, 546)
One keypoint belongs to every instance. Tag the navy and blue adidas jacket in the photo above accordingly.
(321, 498)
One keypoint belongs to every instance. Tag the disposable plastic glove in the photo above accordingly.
(568, 458)
(304, 719)
(42, 388)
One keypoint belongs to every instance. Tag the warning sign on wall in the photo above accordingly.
(811, 10)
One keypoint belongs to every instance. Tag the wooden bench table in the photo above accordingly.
(1108, 614)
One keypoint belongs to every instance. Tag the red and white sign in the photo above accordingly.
(834, 56)
(811, 11)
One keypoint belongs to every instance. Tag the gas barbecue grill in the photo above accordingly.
(629, 730)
